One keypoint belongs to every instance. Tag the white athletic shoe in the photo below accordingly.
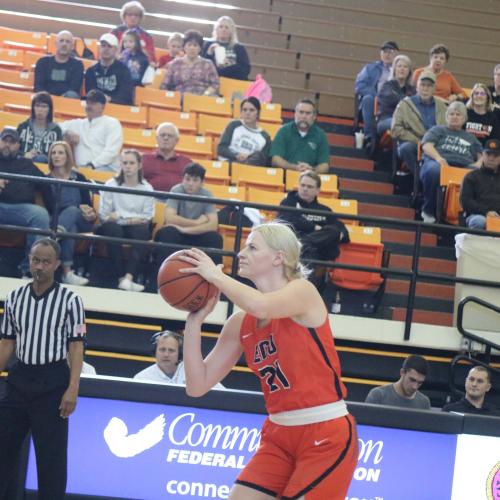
(73, 279)
(130, 286)
(430, 219)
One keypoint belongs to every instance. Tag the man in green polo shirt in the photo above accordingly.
(301, 145)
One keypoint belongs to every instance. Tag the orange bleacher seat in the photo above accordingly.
(450, 180)
(158, 79)
(363, 234)
(11, 59)
(268, 197)
(96, 176)
(30, 59)
(329, 183)
(16, 101)
(207, 104)
(260, 177)
(493, 224)
(212, 125)
(270, 128)
(360, 254)
(159, 217)
(185, 122)
(141, 139)
(11, 119)
(148, 96)
(23, 40)
(66, 108)
(129, 116)
(217, 172)
(349, 207)
(269, 112)
(228, 87)
(195, 146)
(17, 80)
(226, 192)
(228, 234)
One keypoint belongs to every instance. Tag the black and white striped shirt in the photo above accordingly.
(43, 325)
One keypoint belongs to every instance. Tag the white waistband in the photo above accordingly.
(311, 415)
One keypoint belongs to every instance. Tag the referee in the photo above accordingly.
(44, 323)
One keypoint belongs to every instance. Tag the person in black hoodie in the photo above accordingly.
(110, 75)
(17, 198)
(480, 195)
(320, 235)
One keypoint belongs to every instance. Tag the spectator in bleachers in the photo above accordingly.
(414, 116)
(174, 46)
(38, 132)
(190, 223)
(17, 198)
(109, 75)
(301, 144)
(404, 392)
(243, 140)
(124, 215)
(132, 14)
(60, 74)
(397, 88)
(482, 122)
(477, 384)
(446, 145)
(97, 139)
(447, 86)
(191, 73)
(164, 168)
(370, 81)
(133, 57)
(495, 88)
(75, 211)
(235, 63)
(320, 235)
(480, 194)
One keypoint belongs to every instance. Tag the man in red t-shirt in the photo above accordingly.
(163, 168)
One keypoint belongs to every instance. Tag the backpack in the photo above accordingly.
(260, 89)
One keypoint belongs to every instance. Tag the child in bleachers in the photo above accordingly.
(132, 56)
(174, 46)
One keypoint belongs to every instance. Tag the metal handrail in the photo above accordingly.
(414, 274)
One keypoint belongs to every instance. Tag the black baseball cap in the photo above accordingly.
(96, 95)
(389, 44)
(492, 146)
(9, 132)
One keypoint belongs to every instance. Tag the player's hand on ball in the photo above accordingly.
(202, 264)
(200, 315)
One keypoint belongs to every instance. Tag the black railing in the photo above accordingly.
(413, 274)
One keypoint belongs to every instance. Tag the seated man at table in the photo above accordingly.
(164, 168)
(480, 194)
(404, 392)
(477, 384)
(301, 144)
(189, 223)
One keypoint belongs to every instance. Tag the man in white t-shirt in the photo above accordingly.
(97, 139)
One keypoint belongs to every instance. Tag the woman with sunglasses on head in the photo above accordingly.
(482, 122)
(309, 446)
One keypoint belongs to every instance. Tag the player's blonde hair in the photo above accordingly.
(281, 238)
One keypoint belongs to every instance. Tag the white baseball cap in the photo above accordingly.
(110, 39)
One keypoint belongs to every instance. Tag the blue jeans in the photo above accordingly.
(476, 221)
(408, 153)
(25, 215)
(367, 104)
(72, 220)
(384, 125)
(429, 175)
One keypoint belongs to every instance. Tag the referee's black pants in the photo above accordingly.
(32, 402)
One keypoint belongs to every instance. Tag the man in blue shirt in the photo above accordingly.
(370, 80)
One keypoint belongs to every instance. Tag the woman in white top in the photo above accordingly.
(126, 215)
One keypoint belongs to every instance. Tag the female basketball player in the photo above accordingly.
(308, 446)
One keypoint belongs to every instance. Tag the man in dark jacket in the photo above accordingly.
(480, 196)
(17, 198)
(320, 234)
(110, 75)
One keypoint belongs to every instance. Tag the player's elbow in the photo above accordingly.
(194, 390)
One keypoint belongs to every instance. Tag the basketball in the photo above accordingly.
(187, 292)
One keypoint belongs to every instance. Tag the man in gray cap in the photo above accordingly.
(17, 198)
(414, 116)
(370, 80)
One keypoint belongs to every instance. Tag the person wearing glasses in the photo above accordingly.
(482, 122)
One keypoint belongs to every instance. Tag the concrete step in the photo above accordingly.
(433, 290)
(428, 317)
(426, 264)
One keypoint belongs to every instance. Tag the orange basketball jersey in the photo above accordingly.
(298, 367)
